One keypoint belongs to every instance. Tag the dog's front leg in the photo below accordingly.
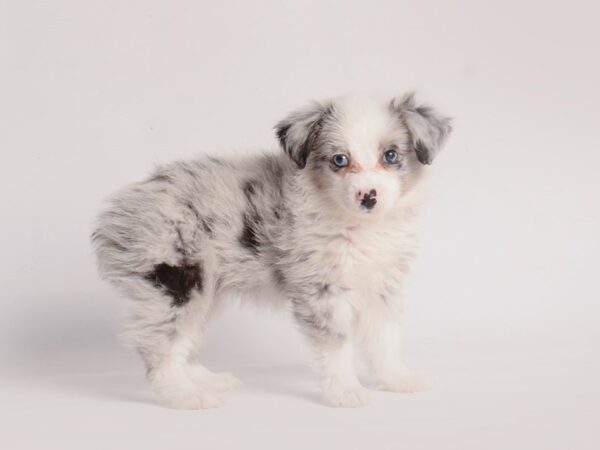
(381, 340)
(328, 326)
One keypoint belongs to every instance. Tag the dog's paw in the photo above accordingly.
(220, 382)
(192, 400)
(346, 396)
(188, 397)
(224, 381)
(407, 383)
(174, 388)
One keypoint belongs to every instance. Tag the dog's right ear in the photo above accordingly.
(299, 131)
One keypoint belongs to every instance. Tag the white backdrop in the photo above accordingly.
(503, 303)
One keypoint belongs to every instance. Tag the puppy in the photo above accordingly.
(326, 225)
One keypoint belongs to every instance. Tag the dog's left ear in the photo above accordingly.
(299, 131)
(428, 129)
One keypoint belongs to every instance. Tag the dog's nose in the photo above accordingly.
(367, 199)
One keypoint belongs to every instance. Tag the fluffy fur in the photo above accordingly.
(331, 241)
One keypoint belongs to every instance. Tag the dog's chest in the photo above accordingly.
(362, 260)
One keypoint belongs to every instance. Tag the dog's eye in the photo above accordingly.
(340, 160)
(391, 156)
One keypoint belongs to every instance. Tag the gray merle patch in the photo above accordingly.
(250, 237)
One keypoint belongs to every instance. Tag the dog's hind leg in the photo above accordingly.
(167, 334)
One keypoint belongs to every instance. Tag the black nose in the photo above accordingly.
(368, 201)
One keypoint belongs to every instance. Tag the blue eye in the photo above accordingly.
(391, 156)
(340, 160)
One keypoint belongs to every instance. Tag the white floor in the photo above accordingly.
(491, 394)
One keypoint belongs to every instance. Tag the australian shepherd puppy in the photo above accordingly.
(324, 227)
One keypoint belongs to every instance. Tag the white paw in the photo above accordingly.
(346, 396)
(406, 382)
(175, 389)
(191, 400)
(206, 379)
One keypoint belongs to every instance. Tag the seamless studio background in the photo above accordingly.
(503, 304)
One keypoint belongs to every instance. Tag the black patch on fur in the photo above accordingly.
(178, 281)
(423, 153)
(250, 237)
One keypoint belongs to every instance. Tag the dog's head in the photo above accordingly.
(363, 153)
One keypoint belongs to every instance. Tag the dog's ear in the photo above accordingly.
(299, 131)
(428, 129)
